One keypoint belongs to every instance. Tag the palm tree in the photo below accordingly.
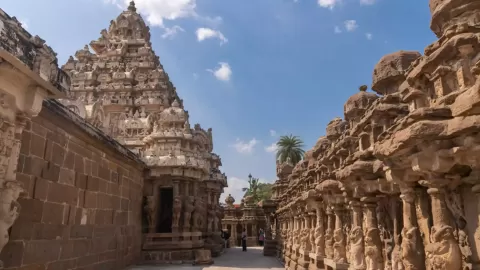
(290, 148)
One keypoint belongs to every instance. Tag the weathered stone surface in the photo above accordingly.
(398, 189)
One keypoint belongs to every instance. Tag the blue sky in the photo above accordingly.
(251, 69)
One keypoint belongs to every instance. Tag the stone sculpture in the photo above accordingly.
(177, 211)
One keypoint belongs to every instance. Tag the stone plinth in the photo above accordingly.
(332, 265)
(316, 262)
(203, 257)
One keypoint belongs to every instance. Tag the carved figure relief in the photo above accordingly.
(150, 210)
(177, 211)
(189, 207)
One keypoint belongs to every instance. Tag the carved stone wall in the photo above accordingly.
(395, 183)
(82, 199)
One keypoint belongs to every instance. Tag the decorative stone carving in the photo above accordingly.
(177, 211)
(190, 205)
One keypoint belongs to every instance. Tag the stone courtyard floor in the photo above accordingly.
(232, 259)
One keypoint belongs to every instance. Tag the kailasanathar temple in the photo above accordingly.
(100, 168)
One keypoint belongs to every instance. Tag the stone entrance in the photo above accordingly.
(165, 201)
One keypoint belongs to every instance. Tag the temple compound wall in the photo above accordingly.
(99, 167)
(395, 183)
(82, 198)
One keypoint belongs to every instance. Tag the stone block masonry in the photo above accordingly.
(82, 200)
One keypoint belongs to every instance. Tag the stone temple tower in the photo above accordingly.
(121, 84)
(122, 89)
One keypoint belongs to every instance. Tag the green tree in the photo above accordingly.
(259, 191)
(252, 187)
(290, 148)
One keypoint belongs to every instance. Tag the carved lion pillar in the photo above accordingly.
(329, 233)
(320, 232)
(305, 236)
(357, 255)
(339, 246)
(373, 243)
(411, 248)
(443, 251)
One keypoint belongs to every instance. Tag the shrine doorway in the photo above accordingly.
(165, 210)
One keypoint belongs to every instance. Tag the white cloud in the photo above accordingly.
(172, 31)
(206, 33)
(156, 12)
(245, 147)
(330, 4)
(369, 36)
(273, 133)
(367, 2)
(223, 72)
(24, 24)
(271, 148)
(350, 25)
(337, 30)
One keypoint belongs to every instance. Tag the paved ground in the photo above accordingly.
(232, 259)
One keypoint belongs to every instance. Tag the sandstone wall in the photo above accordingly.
(83, 200)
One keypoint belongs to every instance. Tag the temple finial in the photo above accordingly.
(132, 7)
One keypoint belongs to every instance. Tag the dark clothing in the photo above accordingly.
(261, 243)
(244, 244)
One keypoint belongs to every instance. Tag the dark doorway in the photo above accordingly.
(165, 202)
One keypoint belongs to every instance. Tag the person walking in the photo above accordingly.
(244, 240)
(261, 237)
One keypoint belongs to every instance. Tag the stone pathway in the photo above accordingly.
(232, 259)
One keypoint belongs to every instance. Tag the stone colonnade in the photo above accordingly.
(394, 185)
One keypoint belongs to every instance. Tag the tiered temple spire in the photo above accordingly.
(122, 88)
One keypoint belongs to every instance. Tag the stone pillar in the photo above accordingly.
(305, 235)
(320, 232)
(373, 243)
(357, 255)
(329, 233)
(443, 248)
(412, 256)
(176, 188)
(339, 246)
